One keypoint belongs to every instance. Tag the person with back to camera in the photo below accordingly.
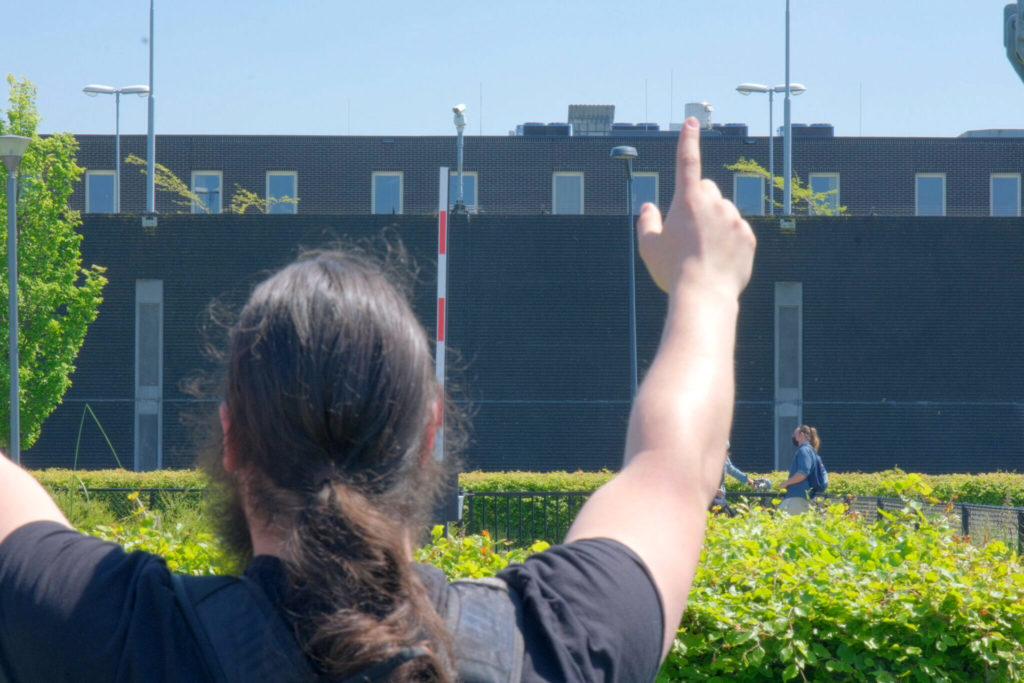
(329, 412)
(798, 486)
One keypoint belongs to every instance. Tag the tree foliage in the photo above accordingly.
(241, 201)
(815, 203)
(57, 297)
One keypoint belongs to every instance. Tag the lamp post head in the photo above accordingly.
(794, 88)
(459, 111)
(747, 88)
(94, 90)
(140, 90)
(624, 152)
(12, 148)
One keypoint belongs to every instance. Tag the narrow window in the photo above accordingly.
(930, 194)
(645, 189)
(386, 192)
(469, 197)
(825, 187)
(149, 341)
(788, 367)
(748, 194)
(282, 192)
(567, 192)
(207, 186)
(1005, 194)
(99, 192)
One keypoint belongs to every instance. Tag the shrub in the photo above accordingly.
(824, 596)
(471, 557)
(187, 548)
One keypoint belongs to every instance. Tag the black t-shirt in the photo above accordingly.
(74, 608)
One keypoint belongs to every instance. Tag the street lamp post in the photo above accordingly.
(746, 89)
(787, 201)
(93, 91)
(150, 139)
(12, 148)
(459, 111)
(627, 154)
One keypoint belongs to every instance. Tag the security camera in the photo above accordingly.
(459, 108)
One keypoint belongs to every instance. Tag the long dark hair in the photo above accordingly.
(329, 394)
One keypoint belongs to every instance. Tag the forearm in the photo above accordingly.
(683, 410)
(23, 500)
(795, 479)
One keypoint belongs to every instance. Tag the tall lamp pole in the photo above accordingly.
(12, 148)
(93, 91)
(459, 111)
(788, 146)
(627, 154)
(746, 89)
(150, 139)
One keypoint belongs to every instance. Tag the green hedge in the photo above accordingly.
(826, 596)
(996, 488)
(823, 596)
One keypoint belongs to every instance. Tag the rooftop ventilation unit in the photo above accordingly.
(591, 119)
(701, 111)
(731, 130)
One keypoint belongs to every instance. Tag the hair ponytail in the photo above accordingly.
(329, 395)
(350, 562)
(812, 435)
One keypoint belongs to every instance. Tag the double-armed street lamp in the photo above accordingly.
(93, 91)
(627, 154)
(747, 89)
(12, 149)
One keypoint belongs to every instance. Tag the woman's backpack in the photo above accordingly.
(818, 478)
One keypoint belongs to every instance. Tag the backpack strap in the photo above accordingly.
(483, 616)
(242, 636)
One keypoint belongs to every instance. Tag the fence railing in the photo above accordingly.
(523, 517)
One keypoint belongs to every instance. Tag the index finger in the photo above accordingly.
(688, 157)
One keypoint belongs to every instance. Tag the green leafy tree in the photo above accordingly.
(816, 203)
(57, 297)
(241, 201)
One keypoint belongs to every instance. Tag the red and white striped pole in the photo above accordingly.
(442, 293)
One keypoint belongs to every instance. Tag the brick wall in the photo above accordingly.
(911, 345)
(334, 172)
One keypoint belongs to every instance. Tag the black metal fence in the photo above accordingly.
(523, 517)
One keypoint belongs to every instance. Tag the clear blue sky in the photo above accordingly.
(872, 67)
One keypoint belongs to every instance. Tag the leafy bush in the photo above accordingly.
(995, 488)
(991, 488)
(471, 557)
(187, 548)
(825, 596)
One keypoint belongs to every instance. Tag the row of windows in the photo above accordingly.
(567, 192)
(929, 193)
(386, 193)
(207, 192)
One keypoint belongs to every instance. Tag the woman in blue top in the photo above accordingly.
(807, 443)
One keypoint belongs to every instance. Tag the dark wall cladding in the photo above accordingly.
(912, 331)
(876, 175)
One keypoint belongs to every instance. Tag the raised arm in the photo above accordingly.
(23, 499)
(702, 256)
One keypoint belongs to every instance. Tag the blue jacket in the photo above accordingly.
(803, 462)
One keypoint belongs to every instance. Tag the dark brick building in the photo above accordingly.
(518, 175)
(899, 338)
